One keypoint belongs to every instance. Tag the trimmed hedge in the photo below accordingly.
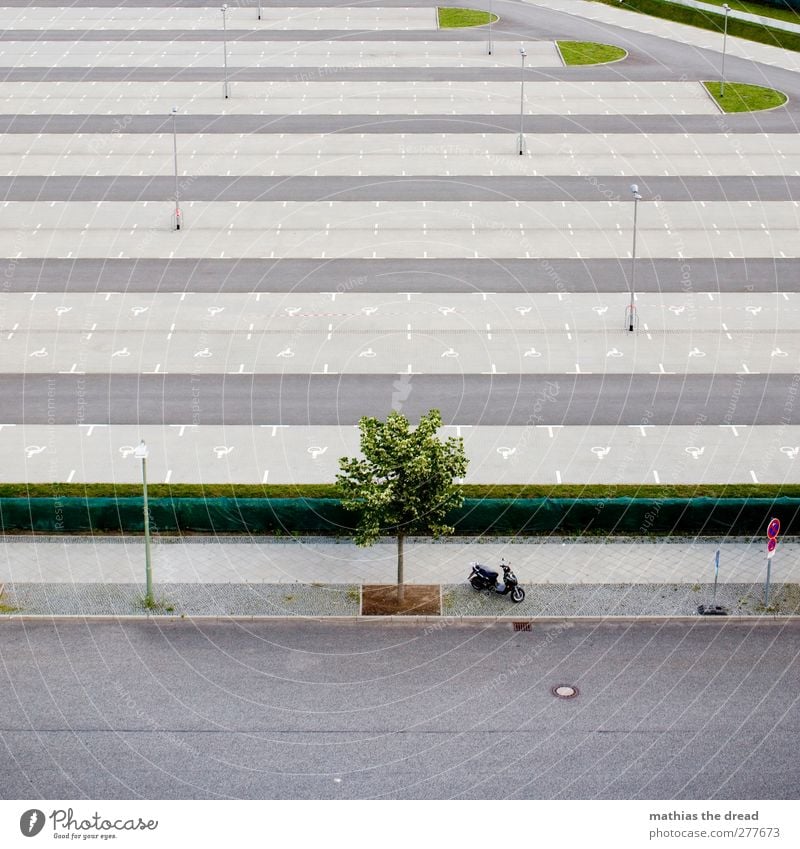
(617, 515)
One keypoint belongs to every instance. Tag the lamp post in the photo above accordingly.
(174, 112)
(140, 453)
(632, 307)
(727, 9)
(522, 55)
(224, 11)
(490, 27)
(259, 10)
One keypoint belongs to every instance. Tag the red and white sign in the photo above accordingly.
(773, 529)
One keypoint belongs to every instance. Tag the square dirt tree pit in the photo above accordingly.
(405, 600)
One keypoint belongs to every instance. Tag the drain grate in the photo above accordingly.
(564, 691)
(521, 626)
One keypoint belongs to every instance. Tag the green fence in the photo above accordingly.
(326, 515)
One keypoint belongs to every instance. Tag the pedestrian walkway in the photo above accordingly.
(682, 33)
(209, 560)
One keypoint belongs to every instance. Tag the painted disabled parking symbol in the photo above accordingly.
(601, 451)
(317, 451)
(695, 452)
(221, 451)
(505, 453)
(791, 451)
(32, 450)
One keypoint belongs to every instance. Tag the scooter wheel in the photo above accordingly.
(476, 584)
(517, 595)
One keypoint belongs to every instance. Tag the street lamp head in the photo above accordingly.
(635, 192)
(141, 452)
(174, 110)
(224, 8)
(726, 7)
(522, 52)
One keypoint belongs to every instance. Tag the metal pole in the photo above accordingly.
(632, 309)
(259, 10)
(522, 55)
(175, 160)
(490, 26)
(716, 575)
(766, 586)
(225, 47)
(727, 9)
(147, 562)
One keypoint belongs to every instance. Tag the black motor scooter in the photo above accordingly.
(482, 578)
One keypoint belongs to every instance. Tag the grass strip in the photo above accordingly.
(506, 491)
(780, 11)
(705, 20)
(589, 52)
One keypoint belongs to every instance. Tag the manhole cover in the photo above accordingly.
(522, 626)
(565, 691)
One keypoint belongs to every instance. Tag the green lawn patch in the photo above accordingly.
(589, 52)
(740, 97)
(450, 18)
(705, 20)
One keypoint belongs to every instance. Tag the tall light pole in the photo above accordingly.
(727, 9)
(224, 11)
(140, 453)
(259, 10)
(631, 311)
(490, 27)
(174, 112)
(522, 55)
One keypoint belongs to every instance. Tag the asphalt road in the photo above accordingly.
(302, 399)
(110, 710)
(778, 121)
(397, 188)
(398, 275)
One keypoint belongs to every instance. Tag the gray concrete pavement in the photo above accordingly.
(204, 17)
(560, 158)
(281, 54)
(668, 275)
(664, 711)
(400, 229)
(303, 399)
(532, 454)
(359, 97)
(410, 334)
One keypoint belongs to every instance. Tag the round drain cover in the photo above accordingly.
(565, 691)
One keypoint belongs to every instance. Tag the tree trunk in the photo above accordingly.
(400, 586)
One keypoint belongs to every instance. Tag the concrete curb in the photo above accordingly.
(411, 620)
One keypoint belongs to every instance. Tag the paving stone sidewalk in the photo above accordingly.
(458, 600)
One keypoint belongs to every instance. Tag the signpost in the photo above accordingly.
(773, 529)
(714, 609)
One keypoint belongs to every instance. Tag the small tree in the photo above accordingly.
(404, 485)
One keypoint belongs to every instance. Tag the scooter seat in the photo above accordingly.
(487, 573)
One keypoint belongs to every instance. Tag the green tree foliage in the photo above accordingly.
(404, 484)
